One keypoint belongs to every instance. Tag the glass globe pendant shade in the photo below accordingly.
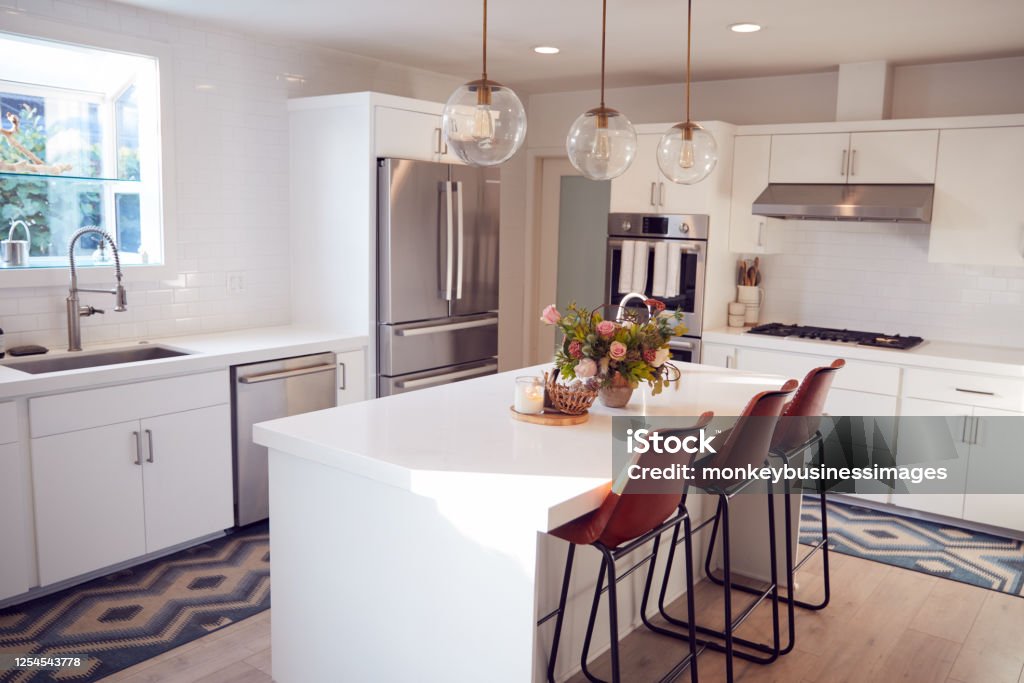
(601, 144)
(687, 153)
(484, 123)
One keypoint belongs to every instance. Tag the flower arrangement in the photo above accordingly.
(603, 353)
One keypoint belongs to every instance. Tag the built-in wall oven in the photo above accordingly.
(662, 257)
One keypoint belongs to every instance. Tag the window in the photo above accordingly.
(85, 152)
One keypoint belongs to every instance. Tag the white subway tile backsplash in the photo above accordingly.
(877, 277)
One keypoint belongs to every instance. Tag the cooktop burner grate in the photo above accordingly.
(888, 341)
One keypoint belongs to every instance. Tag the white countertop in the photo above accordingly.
(459, 445)
(206, 352)
(990, 360)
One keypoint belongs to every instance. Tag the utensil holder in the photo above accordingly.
(15, 252)
(750, 295)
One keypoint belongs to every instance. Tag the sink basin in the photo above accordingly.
(87, 359)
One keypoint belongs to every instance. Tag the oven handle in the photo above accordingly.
(681, 345)
(481, 371)
(685, 245)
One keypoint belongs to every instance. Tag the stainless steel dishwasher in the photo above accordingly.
(267, 391)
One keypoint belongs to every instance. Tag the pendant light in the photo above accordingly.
(687, 152)
(484, 122)
(602, 142)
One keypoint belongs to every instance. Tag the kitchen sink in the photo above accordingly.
(78, 360)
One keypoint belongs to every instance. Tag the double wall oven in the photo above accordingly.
(661, 257)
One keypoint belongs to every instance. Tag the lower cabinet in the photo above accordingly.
(923, 443)
(351, 377)
(145, 480)
(15, 526)
(995, 457)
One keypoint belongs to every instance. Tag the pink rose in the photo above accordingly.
(617, 350)
(586, 368)
(650, 355)
(550, 315)
(575, 349)
(606, 328)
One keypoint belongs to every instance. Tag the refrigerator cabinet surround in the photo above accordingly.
(267, 391)
(437, 273)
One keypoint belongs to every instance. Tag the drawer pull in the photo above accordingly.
(975, 391)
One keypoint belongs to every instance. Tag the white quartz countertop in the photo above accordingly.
(206, 352)
(990, 360)
(459, 445)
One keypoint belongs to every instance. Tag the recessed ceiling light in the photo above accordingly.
(546, 50)
(745, 28)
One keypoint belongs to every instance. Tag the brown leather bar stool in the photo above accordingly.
(626, 521)
(798, 431)
(746, 444)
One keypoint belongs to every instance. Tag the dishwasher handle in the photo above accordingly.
(285, 374)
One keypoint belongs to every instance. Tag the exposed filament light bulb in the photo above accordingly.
(602, 150)
(483, 124)
(686, 154)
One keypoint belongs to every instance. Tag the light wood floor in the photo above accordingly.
(884, 625)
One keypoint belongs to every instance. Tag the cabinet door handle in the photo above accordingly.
(853, 163)
(974, 432)
(963, 432)
(149, 439)
(842, 169)
(654, 188)
(661, 194)
(975, 391)
(344, 376)
(728, 362)
(437, 140)
(760, 233)
(138, 448)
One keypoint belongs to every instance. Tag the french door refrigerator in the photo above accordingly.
(437, 274)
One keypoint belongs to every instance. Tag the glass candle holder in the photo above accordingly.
(529, 395)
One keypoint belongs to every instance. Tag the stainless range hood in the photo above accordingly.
(899, 203)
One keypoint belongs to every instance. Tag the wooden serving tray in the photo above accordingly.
(550, 417)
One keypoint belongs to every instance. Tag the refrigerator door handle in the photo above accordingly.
(451, 242)
(446, 327)
(447, 377)
(458, 281)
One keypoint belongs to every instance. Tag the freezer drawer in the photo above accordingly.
(388, 386)
(267, 391)
(412, 347)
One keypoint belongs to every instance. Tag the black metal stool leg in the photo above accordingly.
(561, 612)
(691, 612)
(723, 505)
(590, 623)
(613, 613)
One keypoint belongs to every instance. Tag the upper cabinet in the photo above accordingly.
(750, 234)
(407, 134)
(875, 157)
(978, 215)
(811, 158)
(644, 189)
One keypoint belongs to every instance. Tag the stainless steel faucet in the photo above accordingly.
(621, 313)
(75, 310)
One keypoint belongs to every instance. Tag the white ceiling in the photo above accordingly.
(646, 37)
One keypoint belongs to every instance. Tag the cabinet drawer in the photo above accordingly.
(874, 378)
(1003, 393)
(96, 407)
(8, 423)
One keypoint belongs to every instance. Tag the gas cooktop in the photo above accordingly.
(888, 341)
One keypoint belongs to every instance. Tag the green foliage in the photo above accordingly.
(22, 198)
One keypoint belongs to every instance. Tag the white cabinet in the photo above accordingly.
(641, 189)
(407, 134)
(351, 377)
(871, 157)
(978, 214)
(895, 156)
(718, 354)
(750, 234)
(926, 443)
(16, 551)
(995, 458)
(810, 158)
(123, 471)
(187, 475)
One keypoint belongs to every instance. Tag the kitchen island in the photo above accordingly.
(408, 538)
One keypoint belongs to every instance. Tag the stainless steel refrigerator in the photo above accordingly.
(437, 274)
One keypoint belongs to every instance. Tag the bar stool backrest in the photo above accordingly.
(749, 439)
(809, 403)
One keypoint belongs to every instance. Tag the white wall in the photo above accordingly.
(231, 160)
(876, 277)
(991, 86)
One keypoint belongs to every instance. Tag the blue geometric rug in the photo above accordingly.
(137, 613)
(941, 550)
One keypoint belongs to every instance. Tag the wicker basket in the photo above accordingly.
(574, 399)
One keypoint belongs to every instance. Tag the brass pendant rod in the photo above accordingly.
(604, 40)
(485, 41)
(689, 34)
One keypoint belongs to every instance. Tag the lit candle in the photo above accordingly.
(529, 395)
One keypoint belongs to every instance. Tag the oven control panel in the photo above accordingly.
(678, 226)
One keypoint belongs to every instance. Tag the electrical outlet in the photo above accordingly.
(236, 283)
